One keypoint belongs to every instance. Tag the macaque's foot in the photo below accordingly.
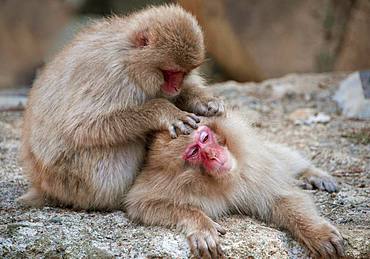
(33, 198)
(324, 241)
(315, 178)
(209, 107)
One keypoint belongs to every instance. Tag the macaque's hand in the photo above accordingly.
(185, 122)
(208, 107)
(204, 243)
(324, 241)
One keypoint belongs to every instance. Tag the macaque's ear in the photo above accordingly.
(141, 39)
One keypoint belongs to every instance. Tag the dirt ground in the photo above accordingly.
(278, 107)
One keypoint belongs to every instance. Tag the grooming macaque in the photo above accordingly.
(224, 167)
(92, 106)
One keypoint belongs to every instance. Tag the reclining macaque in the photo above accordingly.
(224, 167)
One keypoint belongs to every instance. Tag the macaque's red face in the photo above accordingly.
(205, 151)
(172, 82)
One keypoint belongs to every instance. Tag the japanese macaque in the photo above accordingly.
(92, 106)
(224, 167)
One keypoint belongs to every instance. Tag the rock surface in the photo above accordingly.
(62, 233)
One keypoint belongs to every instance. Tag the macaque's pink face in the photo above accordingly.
(205, 151)
(172, 82)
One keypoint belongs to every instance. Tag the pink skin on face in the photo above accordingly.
(207, 152)
(172, 82)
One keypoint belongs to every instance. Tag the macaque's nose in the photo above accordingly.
(213, 154)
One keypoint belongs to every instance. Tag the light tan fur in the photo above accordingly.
(170, 192)
(92, 106)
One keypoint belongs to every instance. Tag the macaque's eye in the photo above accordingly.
(203, 137)
(193, 151)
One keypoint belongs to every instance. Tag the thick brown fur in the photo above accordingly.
(92, 106)
(261, 183)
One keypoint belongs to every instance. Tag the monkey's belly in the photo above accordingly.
(114, 173)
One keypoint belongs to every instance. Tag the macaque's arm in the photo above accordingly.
(127, 125)
(194, 98)
(201, 231)
(297, 214)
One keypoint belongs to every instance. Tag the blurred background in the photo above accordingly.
(247, 40)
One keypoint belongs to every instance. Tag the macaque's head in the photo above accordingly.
(167, 45)
(202, 151)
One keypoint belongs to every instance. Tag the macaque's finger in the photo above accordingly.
(172, 131)
(191, 122)
(221, 108)
(212, 107)
(316, 182)
(215, 107)
(339, 247)
(336, 232)
(220, 252)
(193, 246)
(194, 117)
(323, 183)
(203, 248)
(220, 229)
(338, 242)
(330, 186)
(212, 246)
(201, 109)
(183, 128)
(328, 250)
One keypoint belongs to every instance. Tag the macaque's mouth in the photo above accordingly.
(220, 168)
(219, 171)
(172, 81)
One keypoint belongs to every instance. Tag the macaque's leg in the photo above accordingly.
(298, 214)
(201, 231)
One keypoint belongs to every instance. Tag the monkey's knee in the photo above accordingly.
(33, 198)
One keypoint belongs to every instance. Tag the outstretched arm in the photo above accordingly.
(202, 232)
(121, 126)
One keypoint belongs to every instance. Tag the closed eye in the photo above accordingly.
(203, 137)
(192, 152)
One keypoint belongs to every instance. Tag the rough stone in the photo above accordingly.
(63, 233)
